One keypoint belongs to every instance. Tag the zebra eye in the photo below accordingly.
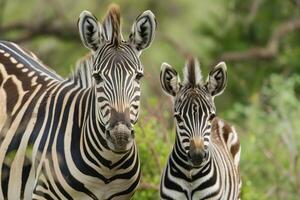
(178, 117)
(97, 77)
(138, 76)
(212, 116)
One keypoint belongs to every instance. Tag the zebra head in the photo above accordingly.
(117, 71)
(194, 107)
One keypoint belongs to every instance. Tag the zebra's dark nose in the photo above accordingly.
(196, 153)
(120, 138)
(119, 118)
(120, 134)
(196, 157)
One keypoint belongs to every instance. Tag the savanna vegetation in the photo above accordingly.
(258, 39)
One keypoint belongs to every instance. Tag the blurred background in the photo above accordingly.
(258, 39)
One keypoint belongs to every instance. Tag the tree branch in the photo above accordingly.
(45, 28)
(253, 11)
(267, 52)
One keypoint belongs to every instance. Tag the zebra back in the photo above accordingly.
(225, 135)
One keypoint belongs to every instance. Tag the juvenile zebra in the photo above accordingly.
(204, 161)
(74, 138)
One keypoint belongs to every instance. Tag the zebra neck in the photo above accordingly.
(178, 162)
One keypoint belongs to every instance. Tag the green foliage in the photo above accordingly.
(153, 150)
(269, 131)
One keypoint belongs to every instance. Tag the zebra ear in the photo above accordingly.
(169, 79)
(217, 79)
(143, 29)
(89, 30)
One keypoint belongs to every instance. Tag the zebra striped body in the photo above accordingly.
(55, 142)
(205, 158)
(44, 155)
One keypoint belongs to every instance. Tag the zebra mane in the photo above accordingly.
(192, 72)
(112, 25)
(82, 75)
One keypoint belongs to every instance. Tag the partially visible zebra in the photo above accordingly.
(204, 163)
(74, 138)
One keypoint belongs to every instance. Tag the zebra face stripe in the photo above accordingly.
(117, 72)
(117, 82)
(193, 114)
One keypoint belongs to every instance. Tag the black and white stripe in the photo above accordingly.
(70, 138)
(83, 71)
(204, 161)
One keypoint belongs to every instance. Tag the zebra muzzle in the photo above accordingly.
(120, 138)
(196, 153)
(196, 157)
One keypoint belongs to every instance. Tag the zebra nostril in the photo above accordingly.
(108, 135)
(196, 157)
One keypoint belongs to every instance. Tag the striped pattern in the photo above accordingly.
(52, 147)
(115, 89)
(198, 130)
(72, 138)
(83, 72)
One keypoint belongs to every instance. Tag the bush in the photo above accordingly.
(270, 135)
(153, 151)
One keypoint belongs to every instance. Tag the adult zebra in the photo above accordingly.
(72, 139)
(205, 158)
